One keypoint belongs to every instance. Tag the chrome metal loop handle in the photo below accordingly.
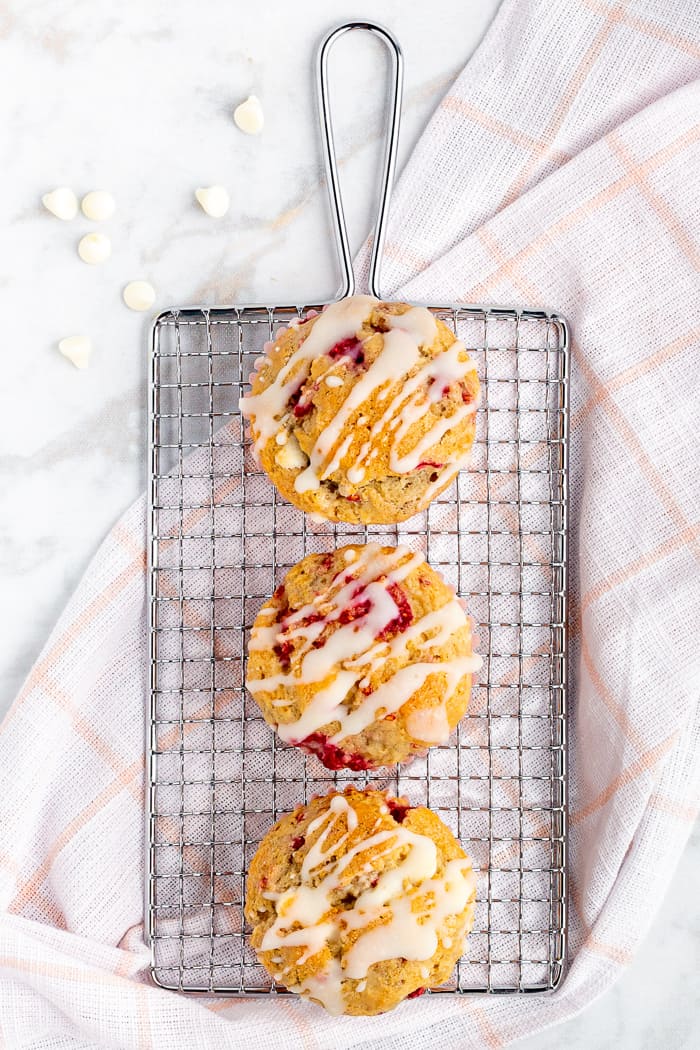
(330, 159)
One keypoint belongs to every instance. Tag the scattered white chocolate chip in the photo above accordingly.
(334, 381)
(214, 200)
(350, 555)
(355, 475)
(249, 116)
(98, 205)
(62, 203)
(290, 456)
(139, 295)
(94, 248)
(362, 420)
(281, 437)
(361, 986)
(447, 942)
(77, 348)
(424, 973)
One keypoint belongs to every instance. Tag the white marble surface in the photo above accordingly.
(138, 98)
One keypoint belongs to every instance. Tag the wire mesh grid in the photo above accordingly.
(222, 540)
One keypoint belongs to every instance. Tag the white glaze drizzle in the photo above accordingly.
(429, 724)
(414, 397)
(405, 908)
(339, 321)
(388, 373)
(352, 653)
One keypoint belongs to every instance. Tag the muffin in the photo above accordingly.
(362, 657)
(358, 901)
(364, 412)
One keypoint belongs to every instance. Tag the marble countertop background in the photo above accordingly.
(138, 98)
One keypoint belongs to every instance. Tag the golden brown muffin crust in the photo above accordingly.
(338, 884)
(369, 426)
(362, 656)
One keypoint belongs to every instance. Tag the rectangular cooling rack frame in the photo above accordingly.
(221, 540)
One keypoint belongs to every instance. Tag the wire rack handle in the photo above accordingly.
(392, 137)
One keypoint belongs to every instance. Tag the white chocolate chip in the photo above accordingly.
(350, 555)
(139, 295)
(98, 205)
(290, 456)
(424, 973)
(62, 203)
(249, 116)
(355, 475)
(447, 942)
(77, 348)
(362, 420)
(214, 200)
(94, 248)
(281, 437)
(361, 986)
(334, 381)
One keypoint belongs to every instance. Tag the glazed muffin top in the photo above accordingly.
(358, 900)
(364, 412)
(363, 656)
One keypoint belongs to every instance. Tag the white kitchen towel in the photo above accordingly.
(560, 171)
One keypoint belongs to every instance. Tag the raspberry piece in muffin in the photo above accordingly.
(358, 910)
(363, 657)
(365, 412)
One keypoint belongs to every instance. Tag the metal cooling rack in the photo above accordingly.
(221, 540)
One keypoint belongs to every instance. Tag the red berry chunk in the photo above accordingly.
(418, 991)
(283, 652)
(354, 612)
(405, 613)
(428, 463)
(332, 756)
(298, 841)
(351, 348)
(398, 809)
